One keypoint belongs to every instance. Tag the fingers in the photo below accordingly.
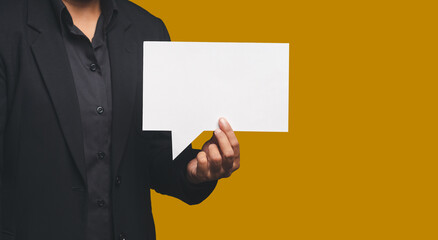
(225, 126)
(225, 148)
(202, 165)
(197, 169)
(208, 166)
(214, 158)
(219, 158)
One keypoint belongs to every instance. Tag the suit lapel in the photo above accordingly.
(124, 76)
(52, 60)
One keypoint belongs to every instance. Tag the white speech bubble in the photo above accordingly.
(188, 86)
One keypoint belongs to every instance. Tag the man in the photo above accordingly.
(74, 162)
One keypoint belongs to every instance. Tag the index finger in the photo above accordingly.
(226, 128)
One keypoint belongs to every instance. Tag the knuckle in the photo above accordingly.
(212, 147)
(216, 158)
(201, 155)
(236, 166)
(229, 154)
(202, 160)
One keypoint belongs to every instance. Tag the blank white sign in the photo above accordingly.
(187, 86)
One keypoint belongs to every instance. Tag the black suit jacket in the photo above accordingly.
(43, 182)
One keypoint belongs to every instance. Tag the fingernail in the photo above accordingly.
(217, 131)
(222, 120)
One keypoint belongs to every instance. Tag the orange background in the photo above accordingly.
(360, 160)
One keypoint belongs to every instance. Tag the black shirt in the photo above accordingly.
(90, 65)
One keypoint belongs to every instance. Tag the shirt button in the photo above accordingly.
(118, 180)
(100, 110)
(122, 236)
(93, 67)
(100, 203)
(101, 155)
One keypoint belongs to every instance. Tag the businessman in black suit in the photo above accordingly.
(74, 162)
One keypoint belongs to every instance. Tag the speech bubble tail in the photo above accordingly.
(182, 139)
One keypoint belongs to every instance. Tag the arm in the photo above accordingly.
(193, 175)
(169, 176)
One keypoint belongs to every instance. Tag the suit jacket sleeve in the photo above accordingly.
(169, 177)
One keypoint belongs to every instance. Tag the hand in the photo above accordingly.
(219, 158)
